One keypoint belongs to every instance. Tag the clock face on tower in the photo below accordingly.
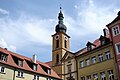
(57, 37)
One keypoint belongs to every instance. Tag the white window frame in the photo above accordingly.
(100, 57)
(116, 30)
(20, 63)
(81, 64)
(110, 74)
(102, 75)
(95, 76)
(117, 48)
(34, 67)
(3, 57)
(1, 67)
(94, 59)
(20, 74)
(49, 71)
(87, 62)
(108, 56)
(36, 77)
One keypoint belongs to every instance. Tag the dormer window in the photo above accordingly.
(20, 63)
(104, 40)
(34, 67)
(4, 57)
(49, 71)
(89, 46)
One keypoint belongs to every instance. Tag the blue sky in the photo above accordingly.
(26, 26)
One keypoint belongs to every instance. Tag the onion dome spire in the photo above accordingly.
(60, 27)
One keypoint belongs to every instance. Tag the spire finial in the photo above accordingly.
(60, 7)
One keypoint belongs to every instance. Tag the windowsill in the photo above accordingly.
(2, 72)
(19, 77)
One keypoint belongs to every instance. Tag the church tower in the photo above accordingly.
(60, 44)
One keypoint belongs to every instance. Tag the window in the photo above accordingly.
(116, 30)
(111, 75)
(65, 43)
(93, 59)
(89, 77)
(36, 77)
(82, 64)
(87, 62)
(57, 43)
(20, 63)
(102, 42)
(89, 47)
(57, 58)
(20, 74)
(107, 55)
(49, 71)
(95, 76)
(69, 68)
(102, 75)
(4, 57)
(100, 57)
(118, 48)
(2, 69)
(82, 78)
(34, 67)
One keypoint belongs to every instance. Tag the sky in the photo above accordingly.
(26, 26)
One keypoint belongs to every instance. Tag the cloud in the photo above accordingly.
(3, 11)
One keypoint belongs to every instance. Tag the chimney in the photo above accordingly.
(105, 31)
(34, 58)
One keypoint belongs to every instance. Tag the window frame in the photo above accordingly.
(4, 57)
(100, 57)
(2, 69)
(20, 74)
(81, 64)
(94, 59)
(108, 55)
(116, 30)
(20, 63)
(87, 61)
(116, 46)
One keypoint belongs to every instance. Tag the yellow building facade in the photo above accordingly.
(97, 64)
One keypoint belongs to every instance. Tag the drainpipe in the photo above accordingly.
(76, 68)
(14, 74)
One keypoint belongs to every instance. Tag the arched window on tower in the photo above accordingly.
(57, 43)
(65, 42)
(57, 58)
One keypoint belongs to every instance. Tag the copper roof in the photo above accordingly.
(11, 62)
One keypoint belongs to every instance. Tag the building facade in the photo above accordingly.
(17, 67)
(98, 62)
(114, 28)
(70, 70)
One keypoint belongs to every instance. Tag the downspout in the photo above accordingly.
(14, 74)
(76, 67)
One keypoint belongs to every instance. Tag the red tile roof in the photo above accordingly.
(49, 63)
(96, 43)
(12, 63)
